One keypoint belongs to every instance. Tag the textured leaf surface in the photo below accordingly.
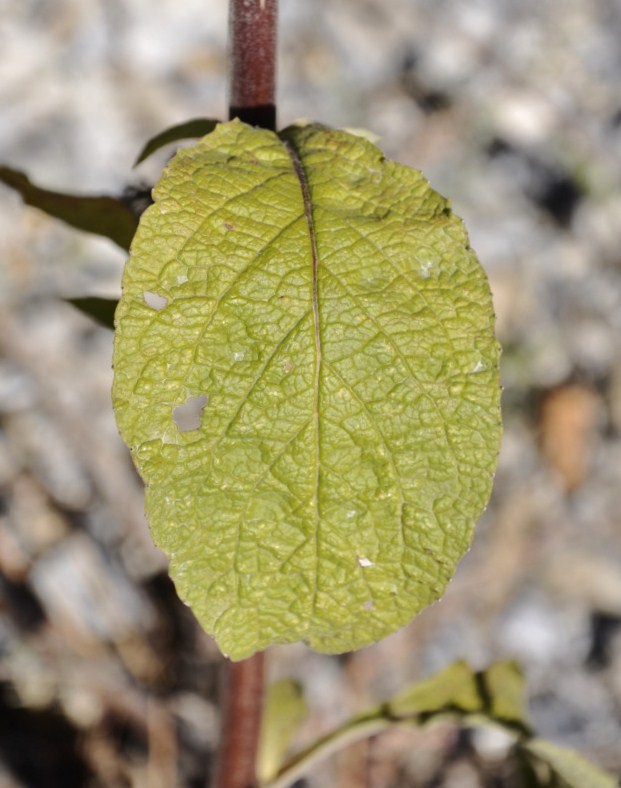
(101, 215)
(319, 310)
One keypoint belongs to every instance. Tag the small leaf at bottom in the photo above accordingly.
(285, 710)
(570, 769)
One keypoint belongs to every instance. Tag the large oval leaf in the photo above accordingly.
(306, 372)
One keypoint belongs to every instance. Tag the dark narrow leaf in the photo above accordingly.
(100, 309)
(101, 215)
(197, 127)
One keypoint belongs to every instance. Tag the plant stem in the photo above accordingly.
(242, 709)
(326, 746)
(252, 55)
(252, 41)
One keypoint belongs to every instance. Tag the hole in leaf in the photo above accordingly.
(364, 562)
(155, 301)
(187, 417)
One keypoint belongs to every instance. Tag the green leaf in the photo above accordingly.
(569, 769)
(454, 688)
(100, 309)
(102, 215)
(458, 692)
(503, 686)
(285, 710)
(493, 696)
(316, 312)
(496, 694)
(195, 128)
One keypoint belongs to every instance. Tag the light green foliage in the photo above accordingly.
(285, 709)
(504, 690)
(453, 688)
(494, 695)
(567, 768)
(319, 313)
(458, 694)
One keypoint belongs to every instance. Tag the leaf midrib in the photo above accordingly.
(300, 172)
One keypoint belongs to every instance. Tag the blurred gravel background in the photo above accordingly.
(513, 110)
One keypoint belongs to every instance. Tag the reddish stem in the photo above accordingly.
(252, 41)
(252, 38)
(242, 707)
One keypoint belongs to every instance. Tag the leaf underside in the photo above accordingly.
(321, 308)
